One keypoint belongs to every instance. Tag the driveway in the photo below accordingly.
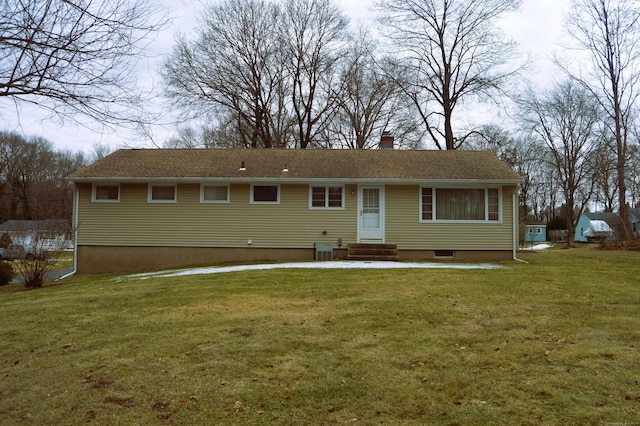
(51, 276)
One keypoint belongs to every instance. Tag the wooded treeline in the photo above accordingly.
(32, 172)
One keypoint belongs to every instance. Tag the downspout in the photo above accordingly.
(515, 226)
(74, 224)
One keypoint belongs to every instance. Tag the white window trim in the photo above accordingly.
(264, 202)
(93, 193)
(486, 205)
(150, 192)
(202, 200)
(326, 187)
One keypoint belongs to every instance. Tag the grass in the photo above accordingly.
(554, 341)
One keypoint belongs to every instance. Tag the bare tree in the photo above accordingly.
(315, 32)
(450, 51)
(264, 66)
(75, 56)
(368, 102)
(234, 69)
(567, 119)
(609, 32)
(98, 151)
(606, 190)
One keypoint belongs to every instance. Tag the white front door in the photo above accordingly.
(371, 213)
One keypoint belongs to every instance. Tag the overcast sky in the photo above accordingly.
(537, 27)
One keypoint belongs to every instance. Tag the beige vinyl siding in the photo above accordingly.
(403, 225)
(188, 222)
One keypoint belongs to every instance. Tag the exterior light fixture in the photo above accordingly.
(242, 167)
(285, 170)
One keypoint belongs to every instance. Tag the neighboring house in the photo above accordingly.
(142, 209)
(634, 216)
(535, 233)
(23, 231)
(598, 227)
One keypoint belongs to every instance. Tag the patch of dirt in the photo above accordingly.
(160, 406)
(99, 383)
(122, 402)
(632, 245)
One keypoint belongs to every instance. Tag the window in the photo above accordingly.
(443, 254)
(265, 194)
(162, 193)
(427, 204)
(327, 197)
(460, 204)
(493, 204)
(214, 193)
(106, 193)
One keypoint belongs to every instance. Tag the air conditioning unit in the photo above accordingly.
(324, 251)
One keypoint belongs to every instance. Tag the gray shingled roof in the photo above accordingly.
(381, 165)
(611, 218)
(14, 225)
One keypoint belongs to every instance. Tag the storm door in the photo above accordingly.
(371, 213)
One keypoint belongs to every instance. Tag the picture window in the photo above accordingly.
(460, 204)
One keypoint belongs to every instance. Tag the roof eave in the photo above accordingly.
(275, 179)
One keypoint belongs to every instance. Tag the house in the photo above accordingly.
(535, 233)
(634, 216)
(604, 226)
(143, 209)
(24, 231)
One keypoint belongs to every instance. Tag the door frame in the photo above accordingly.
(382, 214)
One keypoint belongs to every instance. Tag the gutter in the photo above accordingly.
(74, 223)
(449, 183)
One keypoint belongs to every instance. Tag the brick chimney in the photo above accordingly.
(386, 140)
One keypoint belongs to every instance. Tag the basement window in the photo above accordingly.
(443, 254)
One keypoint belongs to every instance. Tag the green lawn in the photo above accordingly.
(553, 342)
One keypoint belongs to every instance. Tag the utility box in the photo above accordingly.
(324, 251)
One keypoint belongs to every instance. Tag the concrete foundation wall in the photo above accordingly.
(110, 259)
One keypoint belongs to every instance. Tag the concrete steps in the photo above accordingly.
(373, 252)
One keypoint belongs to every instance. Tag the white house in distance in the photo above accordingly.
(23, 232)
